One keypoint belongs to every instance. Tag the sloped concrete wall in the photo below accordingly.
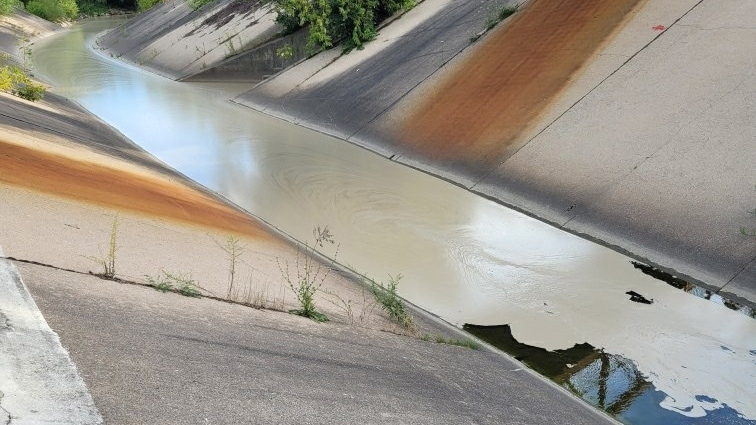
(259, 63)
(175, 41)
(20, 29)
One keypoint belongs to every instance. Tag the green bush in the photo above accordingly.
(13, 80)
(92, 7)
(30, 91)
(143, 5)
(196, 4)
(8, 6)
(331, 21)
(53, 10)
(388, 298)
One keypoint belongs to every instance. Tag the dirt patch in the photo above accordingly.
(476, 114)
(113, 187)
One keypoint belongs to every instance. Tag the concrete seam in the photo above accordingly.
(485, 176)
(753, 260)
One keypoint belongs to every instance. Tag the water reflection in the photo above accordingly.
(610, 382)
(464, 258)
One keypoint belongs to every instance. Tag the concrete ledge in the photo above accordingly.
(38, 381)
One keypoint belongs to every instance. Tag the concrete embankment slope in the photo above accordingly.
(625, 121)
(18, 30)
(175, 40)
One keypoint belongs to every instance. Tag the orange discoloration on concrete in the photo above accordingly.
(476, 115)
(118, 187)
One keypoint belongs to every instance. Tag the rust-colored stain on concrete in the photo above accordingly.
(121, 189)
(476, 115)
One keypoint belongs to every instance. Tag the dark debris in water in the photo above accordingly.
(638, 298)
(692, 289)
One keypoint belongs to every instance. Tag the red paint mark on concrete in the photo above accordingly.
(659, 28)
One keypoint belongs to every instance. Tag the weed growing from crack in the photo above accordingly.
(388, 298)
(233, 250)
(501, 15)
(181, 283)
(184, 284)
(161, 284)
(259, 296)
(346, 306)
(108, 261)
(466, 343)
(310, 274)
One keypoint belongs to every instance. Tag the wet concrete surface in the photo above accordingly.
(163, 358)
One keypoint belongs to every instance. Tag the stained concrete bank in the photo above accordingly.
(644, 144)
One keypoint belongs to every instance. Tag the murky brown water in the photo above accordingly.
(464, 258)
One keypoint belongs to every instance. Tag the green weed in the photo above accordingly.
(388, 298)
(465, 343)
(108, 261)
(159, 283)
(502, 14)
(310, 275)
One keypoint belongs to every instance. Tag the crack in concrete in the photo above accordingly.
(698, 27)
(3, 412)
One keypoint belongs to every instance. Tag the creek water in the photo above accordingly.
(681, 359)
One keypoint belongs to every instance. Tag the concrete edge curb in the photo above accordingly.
(39, 383)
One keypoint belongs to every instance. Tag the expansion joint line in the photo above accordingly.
(753, 260)
(600, 83)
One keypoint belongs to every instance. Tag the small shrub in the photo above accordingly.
(389, 300)
(30, 91)
(285, 52)
(503, 14)
(13, 80)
